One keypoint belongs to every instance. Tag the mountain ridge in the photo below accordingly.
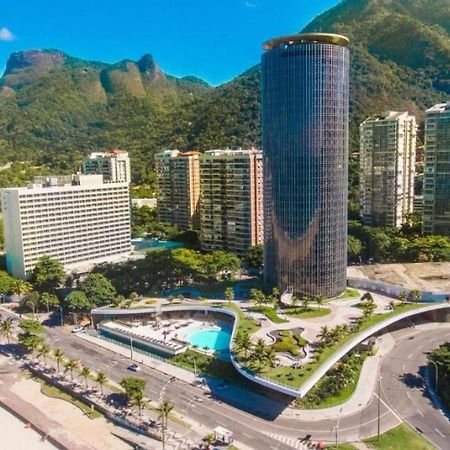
(56, 112)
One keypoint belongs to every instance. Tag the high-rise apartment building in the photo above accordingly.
(178, 180)
(436, 180)
(79, 220)
(114, 165)
(387, 168)
(231, 200)
(305, 94)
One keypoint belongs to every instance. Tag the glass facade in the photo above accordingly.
(436, 182)
(305, 151)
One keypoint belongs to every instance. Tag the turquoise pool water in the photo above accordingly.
(216, 340)
(142, 245)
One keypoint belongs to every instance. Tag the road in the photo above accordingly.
(402, 388)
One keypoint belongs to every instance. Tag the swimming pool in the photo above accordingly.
(142, 245)
(216, 340)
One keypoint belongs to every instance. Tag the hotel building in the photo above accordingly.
(178, 180)
(436, 180)
(79, 220)
(304, 119)
(114, 165)
(387, 168)
(231, 202)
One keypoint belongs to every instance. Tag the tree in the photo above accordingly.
(164, 410)
(6, 329)
(257, 296)
(48, 274)
(319, 299)
(131, 385)
(77, 302)
(32, 299)
(354, 248)
(138, 399)
(59, 357)
(98, 289)
(324, 334)
(305, 301)
(367, 297)
(415, 295)
(49, 300)
(69, 366)
(85, 372)
(20, 287)
(43, 351)
(101, 379)
(270, 356)
(229, 294)
(254, 258)
(403, 297)
(243, 343)
(31, 342)
(31, 326)
(7, 283)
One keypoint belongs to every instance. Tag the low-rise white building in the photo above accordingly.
(114, 165)
(79, 220)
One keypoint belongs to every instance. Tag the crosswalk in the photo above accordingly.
(290, 441)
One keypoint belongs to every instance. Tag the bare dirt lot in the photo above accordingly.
(423, 276)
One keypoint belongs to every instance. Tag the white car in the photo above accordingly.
(77, 329)
(134, 368)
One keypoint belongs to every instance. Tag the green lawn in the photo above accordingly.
(270, 313)
(54, 392)
(348, 293)
(245, 324)
(309, 313)
(311, 402)
(343, 446)
(401, 437)
(295, 377)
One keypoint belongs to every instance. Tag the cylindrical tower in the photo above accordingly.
(305, 150)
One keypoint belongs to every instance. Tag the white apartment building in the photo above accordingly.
(387, 168)
(114, 165)
(79, 220)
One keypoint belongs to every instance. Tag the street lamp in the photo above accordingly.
(379, 407)
(61, 315)
(436, 374)
(131, 347)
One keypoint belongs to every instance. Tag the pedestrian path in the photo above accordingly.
(290, 441)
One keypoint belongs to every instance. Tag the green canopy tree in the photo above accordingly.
(132, 385)
(98, 289)
(48, 274)
(77, 303)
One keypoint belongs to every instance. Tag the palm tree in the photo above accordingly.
(259, 353)
(43, 351)
(415, 295)
(85, 372)
(69, 366)
(59, 357)
(243, 343)
(324, 334)
(101, 379)
(319, 299)
(164, 410)
(294, 300)
(403, 297)
(6, 329)
(229, 294)
(270, 356)
(305, 301)
(138, 399)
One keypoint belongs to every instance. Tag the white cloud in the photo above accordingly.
(6, 35)
(250, 4)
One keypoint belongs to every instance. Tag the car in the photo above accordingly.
(134, 368)
(78, 329)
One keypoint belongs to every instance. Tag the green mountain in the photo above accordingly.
(55, 108)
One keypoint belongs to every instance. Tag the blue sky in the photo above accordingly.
(213, 39)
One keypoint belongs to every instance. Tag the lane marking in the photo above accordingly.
(389, 408)
(409, 356)
(408, 395)
(443, 435)
(420, 412)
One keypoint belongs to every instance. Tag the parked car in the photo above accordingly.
(77, 329)
(134, 368)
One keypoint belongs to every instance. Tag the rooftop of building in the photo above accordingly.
(65, 181)
(307, 38)
(232, 152)
(388, 116)
(439, 108)
(178, 153)
(108, 153)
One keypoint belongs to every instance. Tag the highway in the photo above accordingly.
(403, 396)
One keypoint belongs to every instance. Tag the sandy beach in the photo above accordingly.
(16, 435)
